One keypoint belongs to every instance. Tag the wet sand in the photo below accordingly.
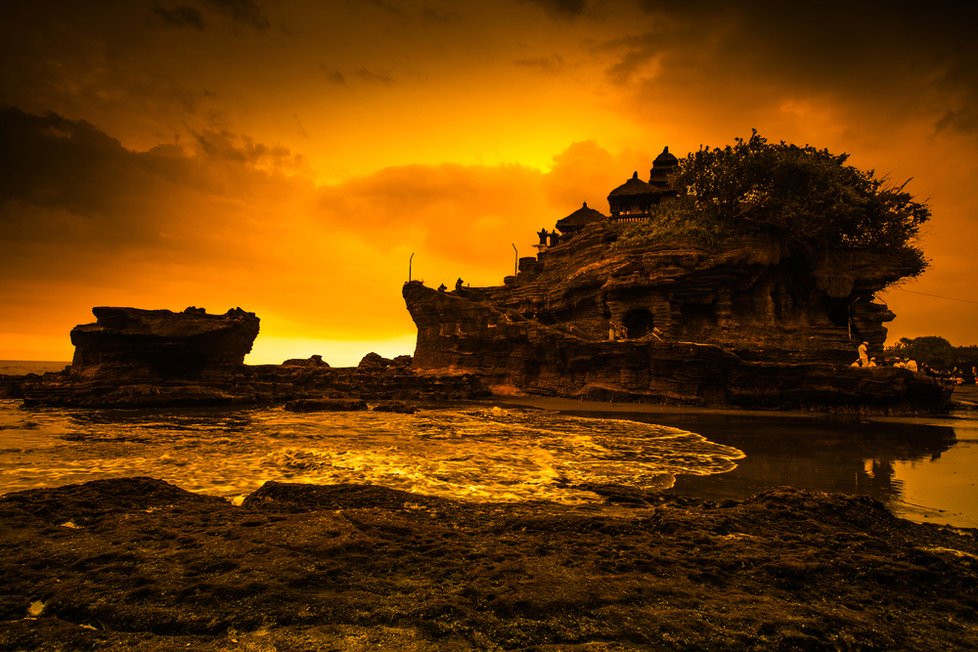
(965, 396)
(575, 406)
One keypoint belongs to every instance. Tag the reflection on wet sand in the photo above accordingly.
(809, 452)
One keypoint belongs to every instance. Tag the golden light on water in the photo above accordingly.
(481, 454)
(490, 454)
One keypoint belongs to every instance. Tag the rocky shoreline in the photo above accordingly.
(135, 358)
(141, 564)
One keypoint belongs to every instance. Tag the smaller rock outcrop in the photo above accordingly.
(133, 344)
(314, 361)
(326, 405)
(374, 361)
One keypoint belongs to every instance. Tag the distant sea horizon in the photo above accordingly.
(21, 367)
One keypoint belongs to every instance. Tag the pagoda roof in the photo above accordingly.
(665, 159)
(581, 217)
(633, 186)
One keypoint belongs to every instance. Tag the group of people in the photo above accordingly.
(955, 376)
(866, 360)
(958, 376)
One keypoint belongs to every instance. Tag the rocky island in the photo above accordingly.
(649, 305)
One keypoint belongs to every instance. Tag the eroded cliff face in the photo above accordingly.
(750, 324)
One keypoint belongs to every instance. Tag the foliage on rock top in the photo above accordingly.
(934, 350)
(809, 199)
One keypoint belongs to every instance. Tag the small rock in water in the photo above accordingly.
(326, 405)
(395, 406)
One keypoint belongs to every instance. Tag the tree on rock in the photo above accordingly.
(810, 199)
(932, 349)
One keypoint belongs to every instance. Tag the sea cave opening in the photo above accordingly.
(639, 323)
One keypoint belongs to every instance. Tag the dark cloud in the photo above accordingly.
(65, 183)
(225, 145)
(567, 9)
(244, 12)
(551, 65)
(367, 75)
(333, 76)
(373, 76)
(54, 162)
(180, 15)
(241, 12)
(923, 60)
(435, 15)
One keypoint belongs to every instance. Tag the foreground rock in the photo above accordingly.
(138, 563)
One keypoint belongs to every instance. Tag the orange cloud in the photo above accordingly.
(231, 223)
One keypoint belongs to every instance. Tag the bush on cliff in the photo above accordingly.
(810, 199)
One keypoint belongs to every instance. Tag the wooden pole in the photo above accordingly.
(516, 261)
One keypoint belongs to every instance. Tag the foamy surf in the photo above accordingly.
(492, 454)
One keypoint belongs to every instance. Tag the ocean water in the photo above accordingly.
(21, 367)
(486, 453)
(923, 469)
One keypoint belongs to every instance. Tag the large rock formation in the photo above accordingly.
(135, 344)
(749, 324)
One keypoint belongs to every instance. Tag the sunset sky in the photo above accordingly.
(288, 156)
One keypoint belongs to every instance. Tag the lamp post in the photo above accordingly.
(516, 260)
(410, 261)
